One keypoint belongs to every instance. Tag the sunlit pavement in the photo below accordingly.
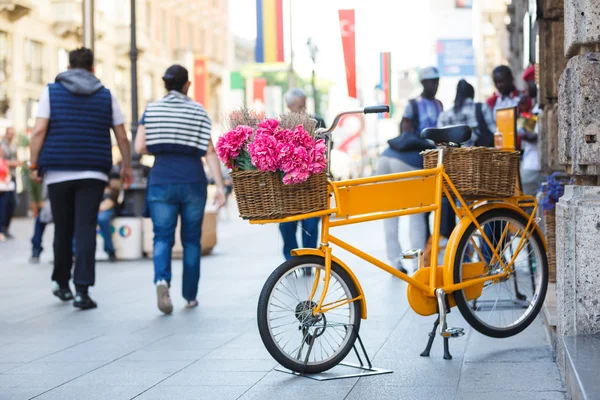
(126, 349)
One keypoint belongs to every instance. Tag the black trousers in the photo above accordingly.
(11, 205)
(75, 211)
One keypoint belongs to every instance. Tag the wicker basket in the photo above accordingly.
(550, 223)
(262, 195)
(478, 171)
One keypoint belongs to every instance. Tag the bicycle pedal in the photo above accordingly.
(453, 332)
(412, 254)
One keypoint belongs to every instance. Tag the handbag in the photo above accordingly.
(409, 141)
(7, 186)
(46, 213)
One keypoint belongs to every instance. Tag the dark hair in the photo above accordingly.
(464, 91)
(81, 58)
(503, 70)
(175, 78)
(532, 89)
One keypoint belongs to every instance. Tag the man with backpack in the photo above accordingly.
(402, 155)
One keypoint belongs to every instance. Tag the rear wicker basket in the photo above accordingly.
(478, 171)
(550, 224)
(262, 195)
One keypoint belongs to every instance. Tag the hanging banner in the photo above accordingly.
(200, 81)
(257, 95)
(349, 47)
(269, 31)
(456, 57)
(385, 73)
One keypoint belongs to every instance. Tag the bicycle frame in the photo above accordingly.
(368, 199)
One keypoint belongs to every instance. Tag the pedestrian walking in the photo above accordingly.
(10, 155)
(507, 94)
(6, 188)
(531, 171)
(177, 131)
(106, 213)
(71, 151)
(478, 116)
(403, 155)
(43, 218)
(295, 100)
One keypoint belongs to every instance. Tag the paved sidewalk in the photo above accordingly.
(126, 349)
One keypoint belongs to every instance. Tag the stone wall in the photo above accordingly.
(578, 211)
(579, 115)
(582, 26)
(552, 63)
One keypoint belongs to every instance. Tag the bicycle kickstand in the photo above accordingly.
(432, 336)
(445, 332)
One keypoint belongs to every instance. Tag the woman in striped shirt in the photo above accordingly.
(176, 130)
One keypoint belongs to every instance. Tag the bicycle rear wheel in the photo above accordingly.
(294, 337)
(507, 307)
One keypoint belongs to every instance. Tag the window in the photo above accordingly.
(63, 60)
(191, 37)
(3, 56)
(148, 18)
(177, 31)
(148, 88)
(33, 61)
(216, 50)
(31, 112)
(120, 87)
(201, 39)
(99, 69)
(163, 26)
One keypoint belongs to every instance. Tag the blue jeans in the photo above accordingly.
(38, 233)
(310, 235)
(104, 222)
(165, 203)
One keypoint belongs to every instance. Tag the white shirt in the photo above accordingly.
(531, 157)
(51, 177)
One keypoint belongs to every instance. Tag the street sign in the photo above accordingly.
(455, 57)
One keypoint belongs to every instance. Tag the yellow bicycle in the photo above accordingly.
(495, 268)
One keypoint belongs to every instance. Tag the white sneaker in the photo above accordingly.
(163, 298)
(192, 304)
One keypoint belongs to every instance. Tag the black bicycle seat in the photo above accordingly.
(449, 134)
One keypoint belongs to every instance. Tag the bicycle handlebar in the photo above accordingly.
(366, 110)
(377, 109)
(326, 133)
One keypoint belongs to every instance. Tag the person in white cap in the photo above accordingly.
(423, 112)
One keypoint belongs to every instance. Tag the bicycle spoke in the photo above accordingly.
(507, 302)
(290, 310)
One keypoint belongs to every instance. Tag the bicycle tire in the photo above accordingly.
(461, 301)
(263, 315)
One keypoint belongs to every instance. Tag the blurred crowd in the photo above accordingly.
(75, 184)
(426, 111)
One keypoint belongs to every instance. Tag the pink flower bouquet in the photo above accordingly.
(271, 148)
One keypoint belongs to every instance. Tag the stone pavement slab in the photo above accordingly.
(127, 349)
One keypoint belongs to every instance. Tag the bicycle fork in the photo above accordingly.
(445, 332)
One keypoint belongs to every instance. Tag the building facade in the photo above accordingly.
(36, 36)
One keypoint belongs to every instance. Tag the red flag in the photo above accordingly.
(385, 62)
(349, 46)
(258, 94)
(201, 81)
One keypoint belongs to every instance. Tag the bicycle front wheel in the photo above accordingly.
(297, 339)
(507, 307)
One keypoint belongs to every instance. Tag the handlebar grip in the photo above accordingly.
(377, 109)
